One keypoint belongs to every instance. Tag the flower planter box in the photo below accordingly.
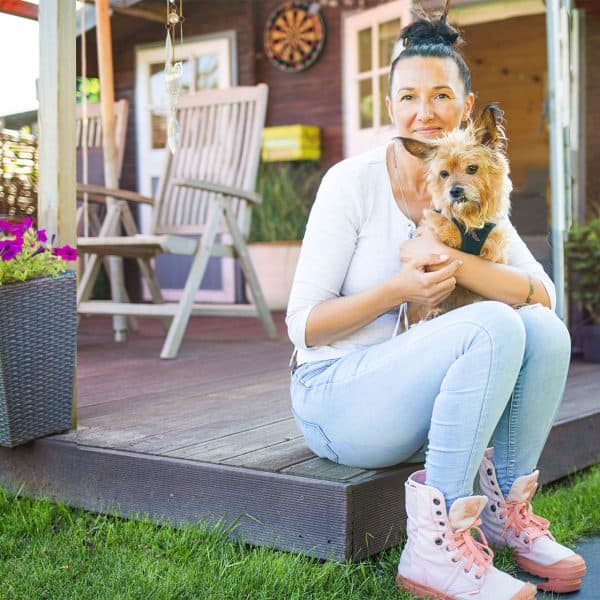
(38, 341)
(275, 265)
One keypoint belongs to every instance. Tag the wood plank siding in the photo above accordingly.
(211, 435)
(507, 58)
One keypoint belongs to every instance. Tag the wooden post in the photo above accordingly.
(56, 208)
(56, 199)
(111, 179)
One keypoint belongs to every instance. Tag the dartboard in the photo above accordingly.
(294, 36)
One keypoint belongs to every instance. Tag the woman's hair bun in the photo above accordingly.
(427, 30)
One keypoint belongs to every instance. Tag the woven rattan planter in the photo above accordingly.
(38, 340)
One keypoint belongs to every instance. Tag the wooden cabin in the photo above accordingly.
(211, 435)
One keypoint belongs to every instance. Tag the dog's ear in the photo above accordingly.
(489, 127)
(421, 150)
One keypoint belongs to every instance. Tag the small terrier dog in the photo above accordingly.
(468, 177)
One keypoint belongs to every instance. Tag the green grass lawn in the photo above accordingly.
(49, 551)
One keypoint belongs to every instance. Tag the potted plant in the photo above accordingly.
(37, 334)
(278, 225)
(583, 259)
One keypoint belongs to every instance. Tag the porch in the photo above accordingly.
(210, 436)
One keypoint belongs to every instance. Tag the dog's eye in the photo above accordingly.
(472, 169)
(444, 174)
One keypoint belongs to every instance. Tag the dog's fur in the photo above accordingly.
(479, 198)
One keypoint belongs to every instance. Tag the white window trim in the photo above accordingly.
(352, 24)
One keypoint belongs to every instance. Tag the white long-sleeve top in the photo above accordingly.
(352, 242)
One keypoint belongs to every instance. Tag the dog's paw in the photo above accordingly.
(433, 313)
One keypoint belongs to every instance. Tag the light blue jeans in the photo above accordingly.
(440, 392)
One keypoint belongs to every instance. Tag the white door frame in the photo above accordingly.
(565, 136)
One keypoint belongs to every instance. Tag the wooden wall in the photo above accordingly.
(314, 96)
(508, 65)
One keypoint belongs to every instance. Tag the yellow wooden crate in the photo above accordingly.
(291, 142)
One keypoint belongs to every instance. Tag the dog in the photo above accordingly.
(468, 178)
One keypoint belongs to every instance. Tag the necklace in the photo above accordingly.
(394, 174)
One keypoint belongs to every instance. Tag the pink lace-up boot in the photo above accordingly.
(511, 522)
(441, 559)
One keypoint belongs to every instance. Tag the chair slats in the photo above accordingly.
(94, 128)
(220, 143)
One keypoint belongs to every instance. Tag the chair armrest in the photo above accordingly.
(219, 189)
(97, 191)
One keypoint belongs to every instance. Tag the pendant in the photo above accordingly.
(173, 78)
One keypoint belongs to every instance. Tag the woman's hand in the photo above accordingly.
(427, 279)
(425, 243)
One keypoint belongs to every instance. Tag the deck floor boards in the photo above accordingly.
(225, 400)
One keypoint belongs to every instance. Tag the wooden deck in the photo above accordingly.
(210, 435)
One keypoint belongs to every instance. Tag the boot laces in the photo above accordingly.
(520, 516)
(471, 550)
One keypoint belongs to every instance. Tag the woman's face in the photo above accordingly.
(428, 97)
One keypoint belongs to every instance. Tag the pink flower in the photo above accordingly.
(65, 252)
(41, 236)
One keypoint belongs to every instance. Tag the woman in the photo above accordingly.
(365, 397)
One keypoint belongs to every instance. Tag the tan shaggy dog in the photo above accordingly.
(468, 177)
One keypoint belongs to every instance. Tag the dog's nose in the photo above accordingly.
(457, 191)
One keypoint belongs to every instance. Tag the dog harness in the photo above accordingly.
(472, 240)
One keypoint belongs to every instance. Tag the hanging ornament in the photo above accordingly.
(173, 72)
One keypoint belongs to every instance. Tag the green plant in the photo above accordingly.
(25, 255)
(287, 192)
(583, 259)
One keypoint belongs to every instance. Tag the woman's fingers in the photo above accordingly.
(433, 277)
(425, 260)
(445, 288)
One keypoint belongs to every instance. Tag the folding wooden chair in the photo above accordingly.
(202, 208)
(92, 132)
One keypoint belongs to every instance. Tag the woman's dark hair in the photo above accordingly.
(432, 36)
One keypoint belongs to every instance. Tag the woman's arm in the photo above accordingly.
(499, 282)
(337, 318)
(508, 283)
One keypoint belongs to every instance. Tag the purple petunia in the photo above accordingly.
(10, 248)
(41, 236)
(65, 252)
(11, 228)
